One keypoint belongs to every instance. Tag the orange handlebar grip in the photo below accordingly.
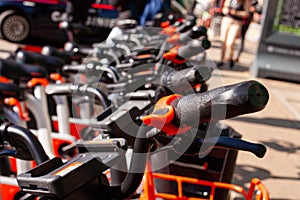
(57, 77)
(172, 55)
(4, 79)
(162, 116)
(164, 24)
(37, 81)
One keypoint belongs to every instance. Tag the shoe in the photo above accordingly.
(231, 64)
(220, 64)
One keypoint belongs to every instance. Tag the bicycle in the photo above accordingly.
(250, 97)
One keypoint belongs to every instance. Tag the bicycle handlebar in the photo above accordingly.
(69, 88)
(196, 147)
(193, 48)
(238, 99)
(197, 31)
(187, 24)
(176, 114)
(92, 68)
(80, 68)
(61, 89)
(180, 81)
(26, 144)
(248, 97)
(137, 167)
(179, 55)
(183, 38)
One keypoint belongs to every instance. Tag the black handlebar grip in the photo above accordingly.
(198, 74)
(221, 103)
(193, 48)
(179, 81)
(197, 31)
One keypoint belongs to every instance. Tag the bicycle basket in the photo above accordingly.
(256, 190)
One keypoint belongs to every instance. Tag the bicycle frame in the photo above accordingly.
(8, 188)
(37, 104)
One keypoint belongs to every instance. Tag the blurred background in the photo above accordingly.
(268, 51)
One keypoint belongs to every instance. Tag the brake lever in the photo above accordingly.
(258, 150)
(177, 144)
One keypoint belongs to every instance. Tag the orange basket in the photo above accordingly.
(256, 190)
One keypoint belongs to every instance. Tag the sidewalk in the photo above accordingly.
(277, 126)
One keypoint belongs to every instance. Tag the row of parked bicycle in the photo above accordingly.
(83, 122)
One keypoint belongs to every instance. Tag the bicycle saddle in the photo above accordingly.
(55, 52)
(50, 63)
(8, 90)
(21, 72)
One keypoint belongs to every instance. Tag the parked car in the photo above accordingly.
(38, 20)
(20, 19)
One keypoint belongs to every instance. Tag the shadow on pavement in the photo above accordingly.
(271, 122)
(237, 67)
(243, 175)
(238, 77)
(282, 146)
